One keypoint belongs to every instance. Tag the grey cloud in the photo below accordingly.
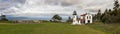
(68, 6)
(9, 3)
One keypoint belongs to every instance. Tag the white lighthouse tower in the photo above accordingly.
(75, 19)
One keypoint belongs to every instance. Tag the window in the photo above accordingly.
(89, 17)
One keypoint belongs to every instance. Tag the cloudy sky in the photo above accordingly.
(51, 7)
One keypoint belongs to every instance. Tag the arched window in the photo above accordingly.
(89, 17)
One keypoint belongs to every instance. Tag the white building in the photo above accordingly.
(83, 19)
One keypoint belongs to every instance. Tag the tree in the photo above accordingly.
(115, 13)
(116, 8)
(110, 10)
(116, 4)
(56, 18)
(69, 20)
(3, 18)
(112, 16)
(98, 16)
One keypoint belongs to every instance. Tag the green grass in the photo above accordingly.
(108, 28)
(53, 28)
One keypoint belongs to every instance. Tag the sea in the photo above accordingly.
(64, 18)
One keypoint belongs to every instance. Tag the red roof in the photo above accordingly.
(83, 14)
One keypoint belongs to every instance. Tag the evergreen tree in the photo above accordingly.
(69, 20)
(116, 4)
(110, 16)
(98, 15)
(110, 10)
(105, 16)
(115, 13)
(106, 11)
(116, 8)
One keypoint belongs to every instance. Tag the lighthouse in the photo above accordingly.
(75, 18)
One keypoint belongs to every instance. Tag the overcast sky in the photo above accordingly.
(50, 7)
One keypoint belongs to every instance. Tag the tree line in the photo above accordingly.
(109, 15)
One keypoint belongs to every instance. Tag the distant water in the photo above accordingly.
(34, 18)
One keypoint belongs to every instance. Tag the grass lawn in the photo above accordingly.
(54, 28)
